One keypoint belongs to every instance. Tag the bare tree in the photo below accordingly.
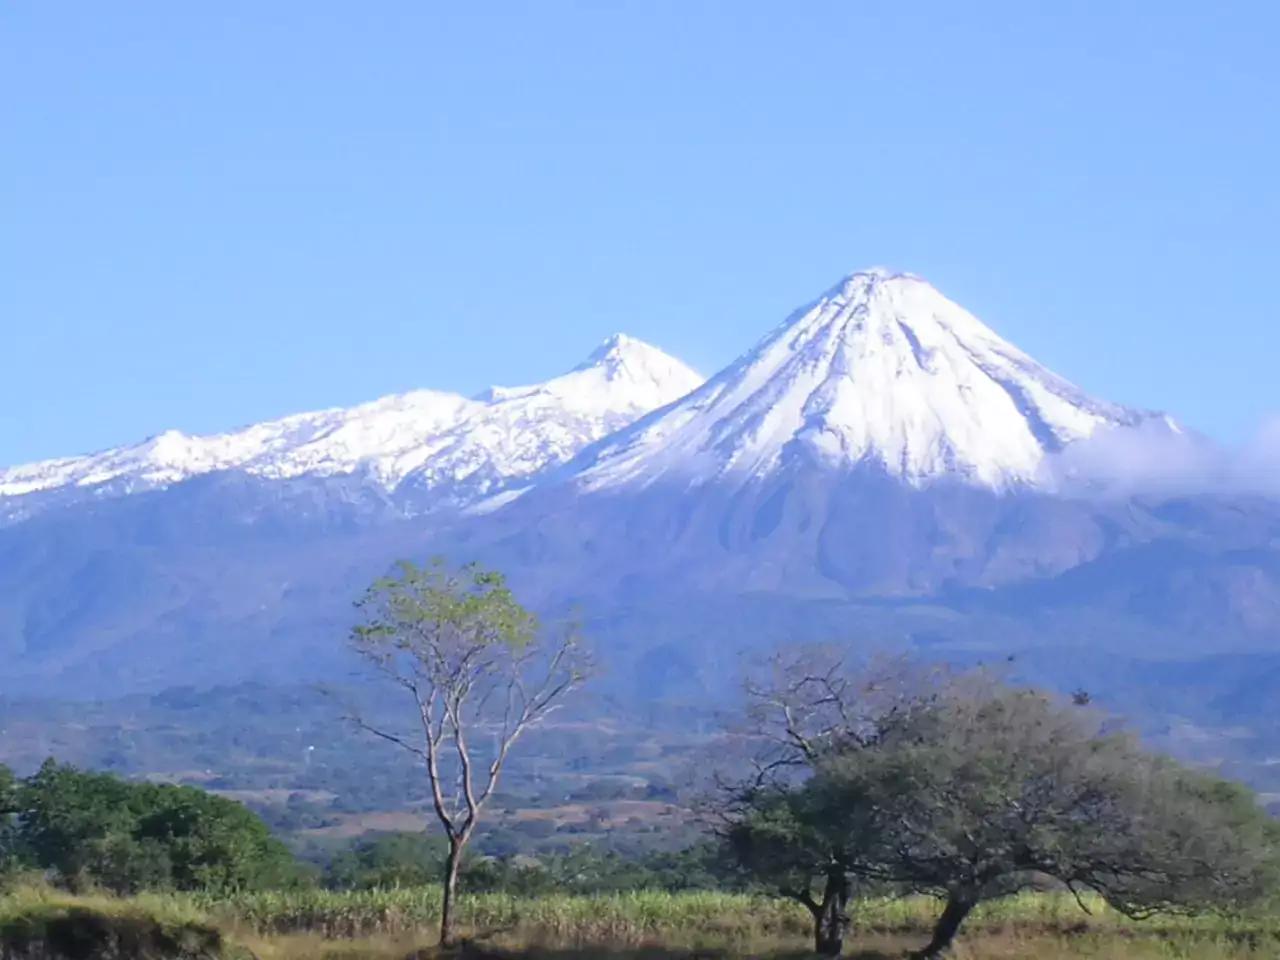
(474, 665)
(778, 823)
(817, 700)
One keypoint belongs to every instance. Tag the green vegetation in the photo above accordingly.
(476, 669)
(966, 790)
(39, 922)
(888, 807)
(397, 923)
(399, 860)
(94, 830)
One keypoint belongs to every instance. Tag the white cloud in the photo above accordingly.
(1258, 466)
(1160, 457)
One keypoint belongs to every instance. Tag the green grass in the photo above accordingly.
(38, 921)
(608, 917)
(37, 904)
(642, 914)
(642, 925)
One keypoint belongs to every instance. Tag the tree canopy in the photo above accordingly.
(96, 829)
(968, 789)
(474, 667)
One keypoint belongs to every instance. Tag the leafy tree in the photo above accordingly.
(81, 826)
(414, 859)
(211, 843)
(991, 788)
(96, 829)
(472, 664)
(8, 791)
(787, 828)
(10, 852)
(585, 870)
(968, 790)
(1192, 842)
(794, 841)
(388, 860)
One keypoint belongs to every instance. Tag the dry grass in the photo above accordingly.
(642, 915)
(37, 922)
(399, 924)
(661, 926)
(352, 825)
(36, 901)
(980, 946)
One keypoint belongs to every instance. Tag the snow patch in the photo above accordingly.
(427, 438)
(883, 370)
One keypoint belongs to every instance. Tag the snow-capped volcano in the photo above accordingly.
(518, 432)
(881, 370)
(881, 468)
(427, 439)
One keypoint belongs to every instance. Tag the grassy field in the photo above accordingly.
(399, 924)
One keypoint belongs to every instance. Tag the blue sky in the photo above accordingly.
(212, 214)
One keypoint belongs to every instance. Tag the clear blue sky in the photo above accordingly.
(217, 213)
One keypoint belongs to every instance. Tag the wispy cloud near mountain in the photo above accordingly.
(1160, 458)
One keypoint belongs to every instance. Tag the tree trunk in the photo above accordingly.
(948, 925)
(451, 864)
(830, 921)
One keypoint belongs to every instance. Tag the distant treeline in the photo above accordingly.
(96, 830)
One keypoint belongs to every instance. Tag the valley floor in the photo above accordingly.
(398, 925)
(980, 947)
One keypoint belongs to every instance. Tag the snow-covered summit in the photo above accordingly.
(881, 370)
(622, 373)
(425, 437)
(520, 431)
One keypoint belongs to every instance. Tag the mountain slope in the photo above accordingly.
(518, 432)
(441, 447)
(881, 442)
(881, 469)
(881, 370)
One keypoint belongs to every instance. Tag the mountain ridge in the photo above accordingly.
(429, 438)
(810, 526)
(881, 369)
